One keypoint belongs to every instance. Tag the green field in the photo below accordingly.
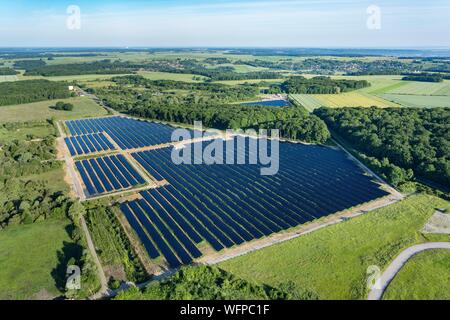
(425, 276)
(29, 254)
(348, 99)
(422, 88)
(333, 261)
(416, 101)
(306, 100)
(83, 107)
(170, 76)
(8, 78)
(38, 132)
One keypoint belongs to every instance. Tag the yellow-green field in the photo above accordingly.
(350, 99)
(37, 111)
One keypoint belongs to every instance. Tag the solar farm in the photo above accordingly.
(180, 213)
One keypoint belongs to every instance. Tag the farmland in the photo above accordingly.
(38, 111)
(351, 99)
(416, 101)
(333, 261)
(422, 88)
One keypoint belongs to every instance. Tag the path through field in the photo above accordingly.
(388, 275)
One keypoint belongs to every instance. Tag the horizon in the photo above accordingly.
(342, 24)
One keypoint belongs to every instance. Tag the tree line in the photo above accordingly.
(399, 143)
(317, 85)
(211, 104)
(27, 91)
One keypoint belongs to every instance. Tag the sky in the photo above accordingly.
(226, 23)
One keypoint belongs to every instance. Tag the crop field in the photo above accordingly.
(127, 133)
(416, 101)
(89, 143)
(306, 100)
(351, 99)
(422, 88)
(108, 174)
(228, 205)
(39, 111)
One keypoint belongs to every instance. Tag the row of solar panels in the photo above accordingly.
(108, 174)
(86, 144)
(127, 133)
(162, 229)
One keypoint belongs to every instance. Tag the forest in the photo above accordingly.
(27, 91)
(7, 71)
(424, 77)
(402, 144)
(212, 283)
(317, 85)
(210, 103)
(98, 67)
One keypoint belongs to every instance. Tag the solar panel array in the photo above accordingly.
(108, 174)
(228, 205)
(127, 133)
(88, 143)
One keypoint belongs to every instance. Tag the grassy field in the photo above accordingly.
(8, 78)
(28, 257)
(307, 100)
(83, 107)
(425, 277)
(38, 132)
(422, 88)
(416, 101)
(333, 261)
(348, 99)
(169, 76)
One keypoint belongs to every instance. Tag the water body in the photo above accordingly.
(269, 103)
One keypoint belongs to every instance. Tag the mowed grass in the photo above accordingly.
(252, 81)
(8, 78)
(170, 76)
(353, 99)
(422, 88)
(425, 276)
(306, 100)
(333, 261)
(417, 101)
(38, 111)
(28, 257)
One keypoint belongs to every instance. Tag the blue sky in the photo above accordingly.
(245, 23)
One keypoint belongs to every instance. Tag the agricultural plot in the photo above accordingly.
(89, 143)
(228, 205)
(108, 174)
(306, 100)
(350, 99)
(127, 133)
(422, 88)
(353, 99)
(416, 101)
